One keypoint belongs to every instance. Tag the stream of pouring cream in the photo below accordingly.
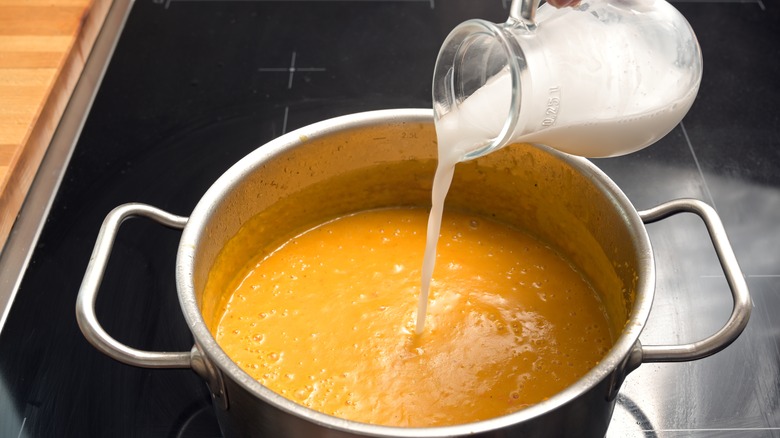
(460, 131)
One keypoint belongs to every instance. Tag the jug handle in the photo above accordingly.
(93, 276)
(742, 304)
(523, 12)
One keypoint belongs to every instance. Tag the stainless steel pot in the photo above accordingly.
(384, 158)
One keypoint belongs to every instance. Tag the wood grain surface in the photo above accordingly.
(44, 45)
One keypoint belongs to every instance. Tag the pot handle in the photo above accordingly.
(740, 312)
(85, 303)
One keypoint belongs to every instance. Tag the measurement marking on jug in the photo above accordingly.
(291, 69)
(553, 104)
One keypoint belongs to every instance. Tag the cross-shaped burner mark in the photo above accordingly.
(167, 3)
(291, 70)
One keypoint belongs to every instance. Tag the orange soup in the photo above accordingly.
(327, 320)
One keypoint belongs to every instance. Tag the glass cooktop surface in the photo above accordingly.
(193, 86)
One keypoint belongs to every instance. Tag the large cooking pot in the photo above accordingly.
(387, 158)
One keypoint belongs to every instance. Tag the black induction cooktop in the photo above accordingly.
(193, 86)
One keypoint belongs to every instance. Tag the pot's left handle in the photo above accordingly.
(85, 303)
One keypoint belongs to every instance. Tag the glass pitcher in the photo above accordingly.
(605, 78)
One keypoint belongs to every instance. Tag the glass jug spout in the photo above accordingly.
(604, 78)
(478, 53)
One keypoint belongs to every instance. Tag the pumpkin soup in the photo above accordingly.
(328, 320)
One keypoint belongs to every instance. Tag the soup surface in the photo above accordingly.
(328, 320)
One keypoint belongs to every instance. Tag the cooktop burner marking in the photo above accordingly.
(698, 168)
(504, 3)
(167, 3)
(284, 121)
(731, 430)
(291, 69)
(21, 429)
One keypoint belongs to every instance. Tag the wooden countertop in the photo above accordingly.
(44, 45)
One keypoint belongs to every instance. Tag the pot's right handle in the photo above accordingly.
(740, 313)
(85, 303)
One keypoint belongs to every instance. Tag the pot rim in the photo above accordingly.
(615, 359)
